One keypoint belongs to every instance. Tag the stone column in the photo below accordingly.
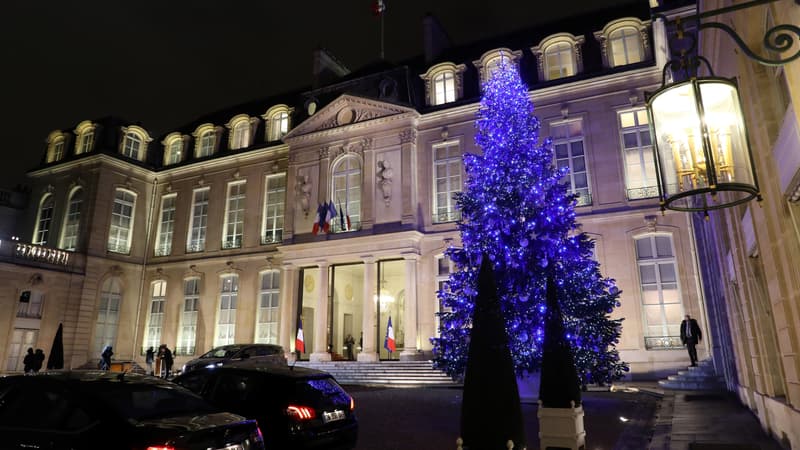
(321, 318)
(288, 308)
(409, 351)
(409, 171)
(369, 352)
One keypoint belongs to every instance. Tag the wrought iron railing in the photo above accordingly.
(119, 247)
(272, 237)
(195, 247)
(447, 216)
(234, 242)
(584, 199)
(336, 226)
(26, 311)
(642, 192)
(662, 342)
(163, 250)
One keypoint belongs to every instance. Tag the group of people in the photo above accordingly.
(33, 360)
(164, 355)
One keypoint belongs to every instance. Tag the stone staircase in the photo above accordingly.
(699, 378)
(386, 373)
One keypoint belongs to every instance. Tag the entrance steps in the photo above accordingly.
(699, 378)
(385, 373)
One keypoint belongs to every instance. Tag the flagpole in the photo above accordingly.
(382, 54)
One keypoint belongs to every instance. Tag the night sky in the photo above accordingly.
(163, 63)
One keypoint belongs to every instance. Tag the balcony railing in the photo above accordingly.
(163, 250)
(447, 216)
(119, 247)
(29, 310)
(195, 247)
(662, 342)
(41, 254)
(336, 226)
(233, 242)
(584, 199)
(272, 237)
(184, 351)
(642, 192)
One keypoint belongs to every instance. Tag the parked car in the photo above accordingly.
(90, 409)
(295, 407)
(250, 354)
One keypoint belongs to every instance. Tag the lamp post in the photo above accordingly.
(703, 159)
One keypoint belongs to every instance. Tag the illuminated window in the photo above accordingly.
(44, 219)
(623, 41)
(268, 313)
(155, 317)
(187, 334)
(206, 145)
(132, 145)
(198, 222)
(446, 181)
(444, 88)
(234, 215)
(568, 140)
(658, 278)
(347, 192)
(637, 153)
(166, 225)
(72, 220)
(226, 320)
(55, 147)
(273, 208)
(85, 141)
(173, 150)
(107, 323)
(119, 232)
(444, 266)
(443, 83)
(241, 135)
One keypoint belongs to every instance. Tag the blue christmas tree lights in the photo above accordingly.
(517, 210)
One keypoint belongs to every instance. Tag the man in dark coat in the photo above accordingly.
(166, 359)
(690, 336)
(29, 361)
(39, 360)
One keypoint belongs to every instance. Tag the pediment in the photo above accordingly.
(348, 110)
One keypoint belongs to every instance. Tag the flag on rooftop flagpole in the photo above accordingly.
(299, 341)
(378, 7)
(388, 343)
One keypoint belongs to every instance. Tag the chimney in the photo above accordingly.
(434, 37)
(326, 68)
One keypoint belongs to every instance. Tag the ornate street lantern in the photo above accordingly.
(702, 152)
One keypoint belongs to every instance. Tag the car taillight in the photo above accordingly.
(301, 412)
(352, 403)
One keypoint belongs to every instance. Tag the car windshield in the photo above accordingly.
(145, 401)
(222, 352)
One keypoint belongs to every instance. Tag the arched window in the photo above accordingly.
(346, 190)
(277, 122)
(559, 61)
(444, 88)
(155, 317)
(119, 232)
(85, 141)
(443, 83)
(55, 147)
(491, 61)
(207, 143)
(132, 145)
(241, 135)
(107, 323)
(44, 219)
(173, 153)
(661, 297)
(72, 220)
(623, 41)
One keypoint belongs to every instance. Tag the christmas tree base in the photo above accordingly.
(561, 428)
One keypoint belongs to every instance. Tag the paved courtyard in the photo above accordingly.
(428, 419)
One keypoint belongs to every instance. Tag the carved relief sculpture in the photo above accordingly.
(303, 192)
(385, 175)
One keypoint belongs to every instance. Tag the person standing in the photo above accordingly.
(349, 342)
(105, 358)
(166, 359)
(690, 337)
(149, 357)
(30, 361)
(39, 361)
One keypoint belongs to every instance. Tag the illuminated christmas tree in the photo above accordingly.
(517, 210)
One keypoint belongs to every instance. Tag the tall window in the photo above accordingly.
(241, 135)
(119, 233)
(199, 221)
(44, 220)
(278, 125)
(30, 305)
(175, 151)
(155, 319)
(661, 299)
(444, 87)
(267, 320)
(347, 191)
(85, 142)
(273, 208)
(207, 144)
(72, 221)
(447, 181)
(443, 268)
(166, 225)
(559, 61)
(105, 329)
(56, 150)
(188, 331)
(226, 321)
(637, 149)
(625, 46)
(234, 216)
(132, 145)
(568, 142)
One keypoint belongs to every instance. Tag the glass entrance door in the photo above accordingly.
(347, 306)
(390, 300)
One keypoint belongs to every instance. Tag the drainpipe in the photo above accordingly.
(148, 233)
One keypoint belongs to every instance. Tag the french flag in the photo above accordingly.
(299, 342)
(321, 211)
(388, 343)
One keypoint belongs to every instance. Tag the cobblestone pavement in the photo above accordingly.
(428, 419)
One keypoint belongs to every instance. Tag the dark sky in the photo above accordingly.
(165, 62)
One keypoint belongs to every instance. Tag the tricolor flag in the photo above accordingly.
(299, 341)
(320, 218)
(388, 343)
(330, 216)
(378, 7)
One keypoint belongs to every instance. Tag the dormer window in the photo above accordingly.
(205, 140)
(443, 83)
(241, 134)
(491, 61)
(173, 149)
(277, 121)
(559, 56)
(85, 141)
(55, 147)
(134, 143)
(623, 42)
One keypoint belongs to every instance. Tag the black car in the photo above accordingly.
(238, 354)
(90, 410)
(295, 407)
